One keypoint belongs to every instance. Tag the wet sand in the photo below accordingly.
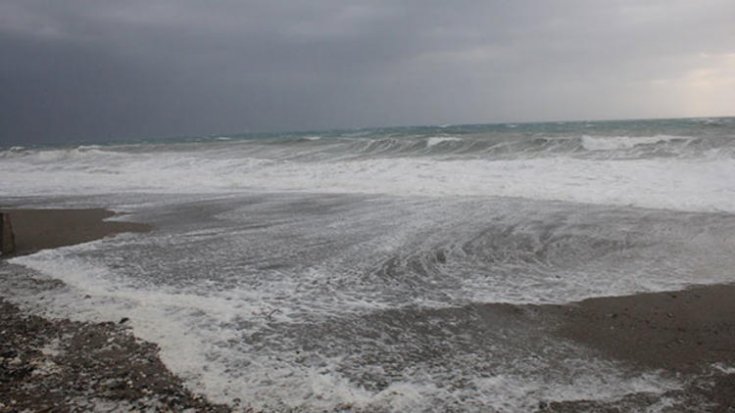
(37, 229)
(688, 334)
(682, 330)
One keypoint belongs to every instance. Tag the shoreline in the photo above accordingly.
(683, 333)
(58, 364)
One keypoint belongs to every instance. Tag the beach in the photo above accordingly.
(373, 207)
(59, 364)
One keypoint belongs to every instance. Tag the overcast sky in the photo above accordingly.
(92, 69)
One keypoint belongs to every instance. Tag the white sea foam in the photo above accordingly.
(233, 326)
(701, 184)
(433, 141)
(201, 341)
(298, 335)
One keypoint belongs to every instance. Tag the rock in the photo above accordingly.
(87, 373)
(9, 354)
(124, 320)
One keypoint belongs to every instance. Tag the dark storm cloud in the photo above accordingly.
(96, 69)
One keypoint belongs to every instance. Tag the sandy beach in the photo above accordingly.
(689, 334)
(63, 365)
(682, 331)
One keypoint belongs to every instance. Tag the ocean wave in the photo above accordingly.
(436, 140)
(685, 171)
(686, 184)
(607, 143)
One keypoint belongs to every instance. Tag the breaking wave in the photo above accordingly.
(660, 170)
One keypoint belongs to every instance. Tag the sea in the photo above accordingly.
(363, 269)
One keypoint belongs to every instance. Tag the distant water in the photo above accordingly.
(349, 269)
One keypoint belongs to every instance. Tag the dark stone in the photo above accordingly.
(8, 354)
(124, 320)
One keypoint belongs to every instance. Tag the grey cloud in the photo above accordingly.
(103, 69)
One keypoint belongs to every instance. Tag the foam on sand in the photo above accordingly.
(331, 308)
(202, 339)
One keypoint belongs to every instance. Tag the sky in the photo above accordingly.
(94, 70)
